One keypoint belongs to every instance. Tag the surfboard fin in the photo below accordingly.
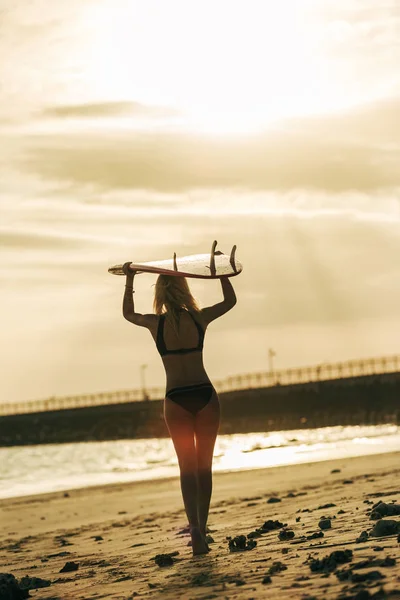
(232, 259)
(175, 265)
(213, 270)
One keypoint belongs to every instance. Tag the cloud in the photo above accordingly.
(365, 23)
(174, 163)
(374, 123)
(110, 109)
(35, 240)
(354, 150)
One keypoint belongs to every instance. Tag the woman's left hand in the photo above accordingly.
(127, 270)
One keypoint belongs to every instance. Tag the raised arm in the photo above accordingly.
(128, 307)
(213, 312)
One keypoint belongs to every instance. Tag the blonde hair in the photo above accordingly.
(172, 294)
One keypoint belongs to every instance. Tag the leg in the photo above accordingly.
(180, 424)
(206, 429)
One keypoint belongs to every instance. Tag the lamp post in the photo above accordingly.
(143, 382)
(271, 355)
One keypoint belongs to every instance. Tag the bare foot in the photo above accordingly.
(204, 534)
(199, 545)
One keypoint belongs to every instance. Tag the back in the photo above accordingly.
(189, 338)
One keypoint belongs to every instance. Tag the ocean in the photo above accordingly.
(39, 469)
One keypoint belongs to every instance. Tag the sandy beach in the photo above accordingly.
(110, 536)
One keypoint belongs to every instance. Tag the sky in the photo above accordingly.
(132, 129)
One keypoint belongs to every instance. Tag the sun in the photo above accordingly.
(226, 66)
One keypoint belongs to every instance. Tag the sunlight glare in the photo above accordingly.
(229, 67)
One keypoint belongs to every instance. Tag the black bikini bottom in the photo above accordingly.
(192, 397)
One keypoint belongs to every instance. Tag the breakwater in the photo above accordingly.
(368, 399)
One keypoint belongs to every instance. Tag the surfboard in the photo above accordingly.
(212, 265)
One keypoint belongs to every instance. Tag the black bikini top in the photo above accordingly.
(161, 347)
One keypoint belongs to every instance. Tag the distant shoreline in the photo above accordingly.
(109, 487)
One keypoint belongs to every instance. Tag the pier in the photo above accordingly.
(265, 379)
(364, 392)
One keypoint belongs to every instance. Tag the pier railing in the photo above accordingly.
(292, 376)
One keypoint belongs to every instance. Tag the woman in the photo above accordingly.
(191, 405)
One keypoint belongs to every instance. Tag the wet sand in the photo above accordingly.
(302, 529)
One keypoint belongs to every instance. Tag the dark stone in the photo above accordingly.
(273, 499)
(175, 553)
(164, 560)
(276, 567)
(385, 527)
(374, 515)
(330, 562)
(363, 537)
(33, 583)
(316, 535)
(254, 534)
(329, 505)
(271, 525)
(286, 534)
(69, 566)
(336, 471)
(239, 544)
(267, 579)
(9, 588)
(381, 509)
(325, 524)
(348, 575)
